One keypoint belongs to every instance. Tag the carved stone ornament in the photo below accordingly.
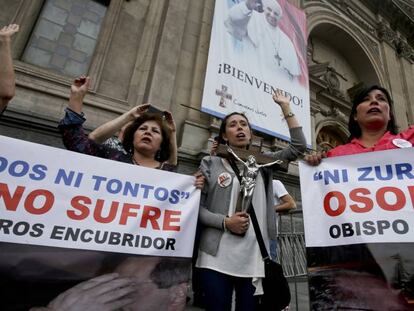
(334, 112)
(332, 80)
(343, 4)
(404, 49)
(385, 33)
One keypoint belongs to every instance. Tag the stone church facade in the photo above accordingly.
(155, 51)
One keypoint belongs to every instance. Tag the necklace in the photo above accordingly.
(134, 161)
(160, 165)
(274, 37)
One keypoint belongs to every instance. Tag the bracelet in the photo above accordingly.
(224, 225)
(289, 115)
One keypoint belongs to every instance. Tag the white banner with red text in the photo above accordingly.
(54, 197)
(365, 198)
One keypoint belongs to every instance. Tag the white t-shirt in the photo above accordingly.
(278, 191)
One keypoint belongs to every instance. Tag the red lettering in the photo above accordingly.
(78, 203)
(97, 213)
(341, 203)
(150, 213)
(169, 219)
(10, 202)
(126, 212)
(411, 191)
(399, 204)
(47, 205)
(356, 196)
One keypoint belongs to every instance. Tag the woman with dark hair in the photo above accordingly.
(372, 128)
(229, 256)
(353, 126)
(371, 125)
(167, 150)
(150, 139)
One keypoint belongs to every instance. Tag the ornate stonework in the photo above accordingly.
(369, 43)
(404, 49)
(326, 73)
(328, 139)
(385, 33)
(334, 112)
(399, 12)
(407, 7)
(361, 22)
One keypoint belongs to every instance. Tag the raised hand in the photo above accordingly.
(283, 102)
(78, 90)
(8, 31)
(280, 99)
(7, 79)
(170, 121)
(139, 110)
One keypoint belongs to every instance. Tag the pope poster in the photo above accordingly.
(76, 228)
(359, 229)
(257, 47)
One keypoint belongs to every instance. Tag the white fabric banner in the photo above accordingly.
(253, 54)
(365, 198)
(54, 197)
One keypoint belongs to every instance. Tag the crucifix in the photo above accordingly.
(250, 161)
(248, 181)
(223, 95)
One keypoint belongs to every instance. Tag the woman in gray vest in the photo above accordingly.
(229, 255)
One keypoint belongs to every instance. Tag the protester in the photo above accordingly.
(283, 202)
(372, 128)
(149, 140)
(229, 254)
(7, 83)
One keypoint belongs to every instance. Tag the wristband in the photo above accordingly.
(289, 115)
(224, 225)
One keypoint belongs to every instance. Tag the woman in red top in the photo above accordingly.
(372, 128)
(371, 125)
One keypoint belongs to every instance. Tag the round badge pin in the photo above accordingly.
(402, 143)
(224, 179)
